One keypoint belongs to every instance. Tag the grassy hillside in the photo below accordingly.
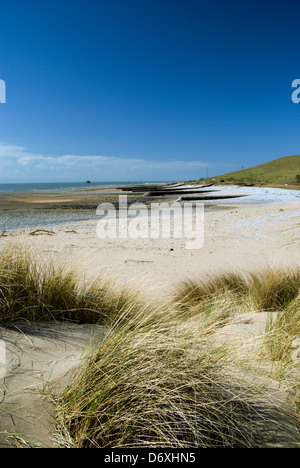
(278, 172)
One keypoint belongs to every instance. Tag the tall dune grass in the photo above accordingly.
(156, 386)
(155, 380)
(283, 332)
(269, 289)
(274, 288)
(40, 291)
(282, 345)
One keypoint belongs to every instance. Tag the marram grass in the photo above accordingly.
(268, 289)
(155, 386)
(39, 291)
(155, 380)
(284, 332)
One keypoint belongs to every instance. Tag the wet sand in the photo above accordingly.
(90, 198)
(29, 209)
(56, 199)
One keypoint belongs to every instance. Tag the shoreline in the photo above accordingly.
(91, 197)
(236, 238)
(26, 210)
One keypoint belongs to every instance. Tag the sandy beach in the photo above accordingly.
(237, 237)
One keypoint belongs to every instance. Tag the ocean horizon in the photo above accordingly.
(36, 186)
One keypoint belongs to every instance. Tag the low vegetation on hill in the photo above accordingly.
(278, 172)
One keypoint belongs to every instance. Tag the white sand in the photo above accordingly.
(39, 358)
(242, 237)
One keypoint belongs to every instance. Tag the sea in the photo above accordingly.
(24, 187)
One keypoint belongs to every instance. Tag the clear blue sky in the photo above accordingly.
(146, 90)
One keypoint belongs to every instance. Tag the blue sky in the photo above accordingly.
(146, 90)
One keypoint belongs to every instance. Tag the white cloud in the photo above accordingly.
(17, 162)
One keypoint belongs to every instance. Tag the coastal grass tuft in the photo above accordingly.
(40, 291)
(268, 289)
(155, 386)
(283, 337)
(158, 381)
(274, 288)
(281, 346)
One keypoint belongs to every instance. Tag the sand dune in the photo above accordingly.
(39, 358)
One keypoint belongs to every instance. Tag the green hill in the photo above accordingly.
(278, 172)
